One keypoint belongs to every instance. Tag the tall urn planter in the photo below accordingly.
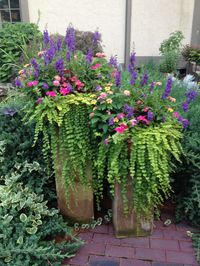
(130, 223)
(74, 185)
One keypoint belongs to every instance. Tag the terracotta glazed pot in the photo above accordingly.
(130, 224)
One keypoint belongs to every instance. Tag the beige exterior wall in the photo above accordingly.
(154, 20)
(106, 15)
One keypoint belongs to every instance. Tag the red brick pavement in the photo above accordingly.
(168, 246)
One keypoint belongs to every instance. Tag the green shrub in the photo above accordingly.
(170, 50)
(187, 177)
(17, 151)
(25, 225)
(13, 39)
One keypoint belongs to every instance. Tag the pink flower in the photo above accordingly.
(35, 83)
(57, 78)
(95, 66)
(176, 114)
(120, 116)
(39, 100)
(56, 83)
(102, 96)
(106, 141)
(73, 79)
(133, 122)
(64, 91)
(51, 93)
(142, 118)
(146, 109)
(100, 55)
(79, 84)
(29, 84)
(121, 128)
(40, 53)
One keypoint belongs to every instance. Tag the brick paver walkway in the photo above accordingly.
(168, 246)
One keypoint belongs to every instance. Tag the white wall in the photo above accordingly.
(106, 15)
(154, 20)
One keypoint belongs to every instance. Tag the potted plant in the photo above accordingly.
(60, 85)
(140, 133)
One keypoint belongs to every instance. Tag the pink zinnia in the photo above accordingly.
(56, 83)
(121, 128)
(100, 55)
(142, 118)
(102, 96)
(35, 83)
(176, 114)
(64, 91)
(73, 79)
(29, 84)
(95, 66)
(51, 93)
(120, 116)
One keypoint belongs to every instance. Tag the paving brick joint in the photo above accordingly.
(167, 246)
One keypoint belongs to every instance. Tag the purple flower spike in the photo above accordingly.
(89, 56)
(70, 39)
(60, 66)
(59, 44)
(113, 61)
(96, 37)
(185, 106)
(191, 95)
(151, 89)
(118, 78)
(144, 79)
(168, 88)
(128, 110)
(46, 37)
(184, 121)
(45, 86)
(68, 56)
(18, 83)
(36, 68)
(111, 122)
(150, 116)
(133, 77)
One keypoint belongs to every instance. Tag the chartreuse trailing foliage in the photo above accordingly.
(64, 124)
(144, 155)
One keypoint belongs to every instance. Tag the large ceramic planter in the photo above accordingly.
(75, 202)
(130, 224)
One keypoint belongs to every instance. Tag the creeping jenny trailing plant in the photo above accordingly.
(140, 131)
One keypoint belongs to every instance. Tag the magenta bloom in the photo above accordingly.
(102, 96)
(95, 66)
(106, 141)
(29, 84)
(51, 93)
(142, 118)
(176, 114)
(35, 83)
(120, 116)
(64, 91)
(121, 128)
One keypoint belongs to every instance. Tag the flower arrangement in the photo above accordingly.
(140, 131)
(60, 84)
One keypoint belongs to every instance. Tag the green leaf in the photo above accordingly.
(31, 230)
(23, 217)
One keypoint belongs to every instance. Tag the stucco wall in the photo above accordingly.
(154, 20)
(106, 15)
